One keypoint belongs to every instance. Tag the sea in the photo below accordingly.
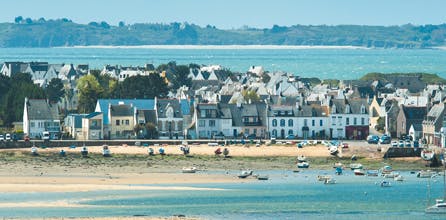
(286, 195)
(304, 61)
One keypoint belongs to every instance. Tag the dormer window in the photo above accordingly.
(347, 109)
(333, 109)
(362, 109)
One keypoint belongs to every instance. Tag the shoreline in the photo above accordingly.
(222, 47)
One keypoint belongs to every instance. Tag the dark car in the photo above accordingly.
(372, 139)
(385, 139)
(290, 136)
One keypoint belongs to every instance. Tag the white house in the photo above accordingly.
(40, 116)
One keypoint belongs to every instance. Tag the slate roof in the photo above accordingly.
(121, 110)
(140, 104)
(39, 66)
(312, 111)
(39, 109)
(414, 113)
(149, 115)
(94, 114)
(185, 106)
(355, 105)
(163, 104)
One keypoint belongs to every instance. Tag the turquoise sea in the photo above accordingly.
(286, 195)
(338, 63)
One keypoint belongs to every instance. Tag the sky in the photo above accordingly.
(228, 14)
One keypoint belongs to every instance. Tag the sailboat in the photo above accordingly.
(440, 204)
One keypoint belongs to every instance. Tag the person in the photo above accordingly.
(161, 151)
(151, 152)
(62, 153)
(226, 152)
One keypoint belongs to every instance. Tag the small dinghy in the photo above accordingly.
(106, 151)
(84, 151)
(34, 151)
(189, 169)
(245, 174)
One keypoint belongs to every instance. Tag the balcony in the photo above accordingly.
(252, 123)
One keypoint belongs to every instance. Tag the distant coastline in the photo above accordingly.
(223, 47)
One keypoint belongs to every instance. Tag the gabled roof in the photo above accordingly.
(414, 113)
(141, 104)
(163, 104)
(149, 116)
(39, 109)
(92, 115)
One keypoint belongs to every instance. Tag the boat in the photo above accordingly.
(338, 164)
(427, 154)
(386, 169)
(354, 166)
(84, 151)
(391, 175)
(34, 151)
(330, 181)
(262, 177)
(323, 177)
(105, 151)
(398, 178)
(301, 158)
(385, 184)
(359, 172)
(333, 150)
(303, 165)
(440, 205)
(189, 169)
(425, 174)
(372, 172)
(244, 174)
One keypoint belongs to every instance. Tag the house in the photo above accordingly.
(208, 120)
(410, 116)
(281, 120)
(312, 121)
(432, 125)
(11, 68)
(92, 126)
(73, 125)
(349, 119)
(170, 119)
(39, 116)
(248, 120)
(121, 121)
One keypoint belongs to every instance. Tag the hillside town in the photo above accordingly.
(242, 105)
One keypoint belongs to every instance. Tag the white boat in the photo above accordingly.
(391, 175)
(386, 169)
(262, 177)
(398, 178)
(425, 174)
(244, 174)
(385, 184)
(105, 151)
(372, 172)
(427, 154)
(301, 158)
(330, 181)
(34, 151)
(323, 177)
(303, 165)
(359, 172)
(354, 166)
(189, 169)
(333, 150)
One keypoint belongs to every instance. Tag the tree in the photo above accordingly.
(180, 77)
(18, 19)
(107, 83)
(55, 90)
(28, 21)
(105, 25)
(89, 92)
(121, 24)
(138, 130)
(250, 95)
(142, 87)
(266, 78)
(151, 131)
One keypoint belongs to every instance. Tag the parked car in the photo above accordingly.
(290, 136)
(2, 138)
(394, 144)
(416, 143)
(385, 139)
(372, 139)
(401, 143)
(407, 144)
(8, 137)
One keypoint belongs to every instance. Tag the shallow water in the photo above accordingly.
(286, 195)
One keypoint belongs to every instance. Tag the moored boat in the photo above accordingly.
(386, 169)
(330, 181)
(398, 178)
(333, 150)
(359, 172)
(354, 166)
(106, 151)
(427, 154)
(391, 175)
(385, 184)
(189, 169)
(372, 172)
(338, 170)
(301, 158)
(303, 165)
(425, 174)
(262, 177)
(244, 174)
(323, 177)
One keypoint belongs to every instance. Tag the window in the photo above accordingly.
(245, 119)
(201, 123)
(203, 113)
(321, 123)
(347, 121)
(333, 120)
(127, 122)
(354, 121)
(32, 124)
(313, 122)
(118, 133)
(117, 122)
(246, 131)
(286, 113)
(305, 122)
(211, 123)
(362, 121)
(339, 120)
(274, 133)
(362, 109)
(290, 122)
(274, 122)
(254, 131)
(282, 122)
(290, 132)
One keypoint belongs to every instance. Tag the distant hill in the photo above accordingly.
(63, 32)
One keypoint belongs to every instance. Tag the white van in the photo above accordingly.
(45, 135)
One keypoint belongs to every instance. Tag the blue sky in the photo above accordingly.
(228, 14)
